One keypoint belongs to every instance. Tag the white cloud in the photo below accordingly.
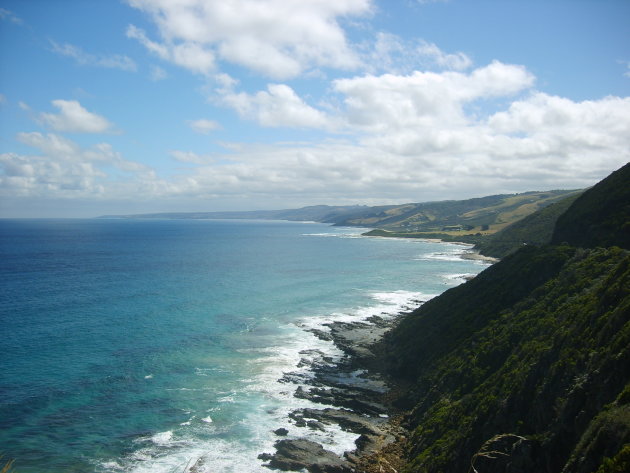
(274, 37)
(112, 61)
(560, 133)
(278, 106)
(204, 126)
(64, 169)
(425, 99)
(72, 117)
(190, 55)
(415, 139)
(403, 137)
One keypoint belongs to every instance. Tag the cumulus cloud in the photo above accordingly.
(278, 106)
(112, 61)
(413, 137)
(190, 55)
(416, 131)
(72, 117)
(204, 126)
(425, 99)
(558, 132)
(64, 169)
(277, 38)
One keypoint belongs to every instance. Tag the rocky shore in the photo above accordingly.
(352, 398)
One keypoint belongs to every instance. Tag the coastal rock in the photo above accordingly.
(356, 338)
(354, 399)
(347, 420)
(321, 334)
(299, 454)
(282, 432)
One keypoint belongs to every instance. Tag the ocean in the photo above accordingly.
(144, 345)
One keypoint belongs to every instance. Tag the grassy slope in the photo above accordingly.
(480, 215)
(531, 357)
(535, 229)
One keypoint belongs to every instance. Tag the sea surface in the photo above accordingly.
(144, 345)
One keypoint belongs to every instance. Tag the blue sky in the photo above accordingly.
(139, 106)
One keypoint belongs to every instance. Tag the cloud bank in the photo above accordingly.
(398, 120)
(400, 138)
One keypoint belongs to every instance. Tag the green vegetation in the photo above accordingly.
(527, 366)
(469, 238)
(600, 216)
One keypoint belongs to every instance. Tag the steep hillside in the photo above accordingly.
(599, 217)
(539, 363)
(526, 368)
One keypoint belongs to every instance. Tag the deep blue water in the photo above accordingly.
(143, 345)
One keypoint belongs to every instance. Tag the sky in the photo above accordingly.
(139, 106)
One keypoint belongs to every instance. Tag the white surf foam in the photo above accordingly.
(458, 278)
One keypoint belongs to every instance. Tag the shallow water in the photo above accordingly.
(143, 345)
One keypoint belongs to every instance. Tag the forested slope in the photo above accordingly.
(526, 368)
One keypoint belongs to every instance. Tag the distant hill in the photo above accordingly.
(535, 229)
(604, 207)
(455, 217)
(525, 368)
(454, 220)
(316, 213)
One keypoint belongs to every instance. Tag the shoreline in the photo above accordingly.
(476, 256)
(353, 395)
(356, 395)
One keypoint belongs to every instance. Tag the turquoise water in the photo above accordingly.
(142, 346)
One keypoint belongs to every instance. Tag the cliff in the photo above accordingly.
(527, 366)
